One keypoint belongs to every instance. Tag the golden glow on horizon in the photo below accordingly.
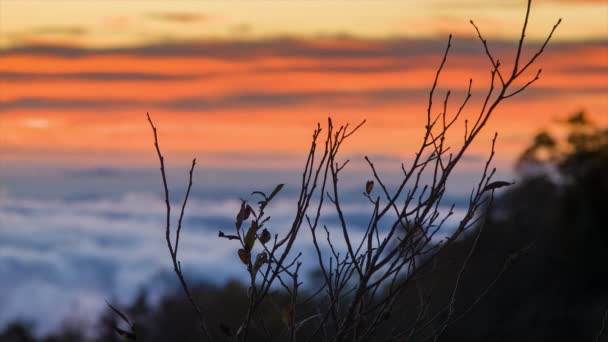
(99, 23)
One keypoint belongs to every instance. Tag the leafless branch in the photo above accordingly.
(173, 250)
(363, 281)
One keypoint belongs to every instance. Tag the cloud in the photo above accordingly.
(281, 47)
(266, 99)
(94, 172)
(70, 254)
(396, 52)
(249, 100)
(60, 30)
(101, 249)
(40, 103)
(179, 17)
(594, 69)
(241, 29)
(92, 76)
(473, 157)
(116, 23)
(206, 103)
(96, 249)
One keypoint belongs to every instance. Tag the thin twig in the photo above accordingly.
(173, 250)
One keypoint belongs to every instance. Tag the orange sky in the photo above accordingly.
(82, 98)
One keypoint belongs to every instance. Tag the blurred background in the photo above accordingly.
(240, 86)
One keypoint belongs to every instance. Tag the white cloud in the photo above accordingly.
(57, 255)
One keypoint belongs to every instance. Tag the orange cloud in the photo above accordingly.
(218, 98)
(179, 17)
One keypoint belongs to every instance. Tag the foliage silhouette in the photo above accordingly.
(362, 278)
(398, 282)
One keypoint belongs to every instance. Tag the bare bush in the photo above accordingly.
(360, 286)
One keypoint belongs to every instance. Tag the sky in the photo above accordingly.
(240, 85)
(77, 78)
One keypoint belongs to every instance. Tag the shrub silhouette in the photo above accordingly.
(542, 255)
(361, 286)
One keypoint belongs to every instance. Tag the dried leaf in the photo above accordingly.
(243, 214)
(248, 211)
(265, 236)
(250, 236)
(496, 185)
(260, 260)
(244, 256)
(369, 186)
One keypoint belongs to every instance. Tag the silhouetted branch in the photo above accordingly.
(362, 282)
(173, 250)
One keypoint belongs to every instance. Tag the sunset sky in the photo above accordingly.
(240, 85)
(233, 81)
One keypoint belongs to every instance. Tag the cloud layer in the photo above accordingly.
(266, 95)
(63, 254)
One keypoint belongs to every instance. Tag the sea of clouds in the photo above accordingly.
(72, 239)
